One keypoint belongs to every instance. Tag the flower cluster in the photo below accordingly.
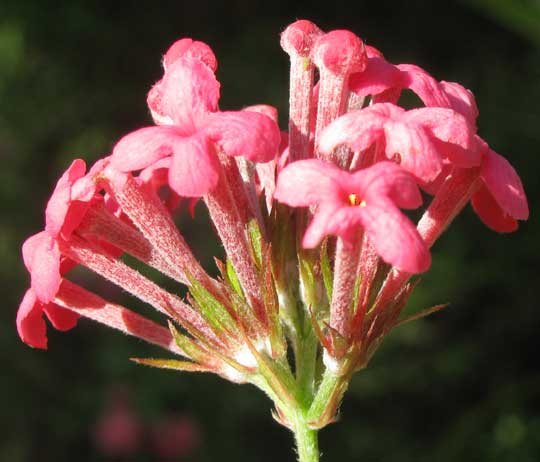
(319, 251)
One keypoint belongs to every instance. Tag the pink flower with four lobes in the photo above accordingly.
(367, 199)
(421, 139)
(65, 210)
(186, 100)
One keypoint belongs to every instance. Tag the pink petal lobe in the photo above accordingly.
(143, 147)
(378, 76)
(61, 318)
(444, 124)
(461, 100)
(491, 214)
(394, 237)
(424, 85)
(44, 267)
(59, 203)
(414, 149)
(504, 185)
(30, 323)
(194, 169)
(318, 228)
(252, 135)
(359, 129)
(308, 182)
(387, 179)
(189, 91)
(265, 109)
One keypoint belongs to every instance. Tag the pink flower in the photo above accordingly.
(501, 200)
(367, 198)
(41, 254)
(187, 100)
(65, 210)
(421, 139)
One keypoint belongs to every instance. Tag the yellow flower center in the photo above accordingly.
(355, 200)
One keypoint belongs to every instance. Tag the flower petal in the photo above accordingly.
(387, 179)
(491, 214)
(444, 124)
(377, 77)
(189, 91)
(30, 323)
(359, 129)
(252, 135)
(504, 185)
(60, 201)
(42, 259)
(190, 49)
(61, 318)
(143, 147)
(487, 209)
(424, 85)
(194, 168)
(308, 182)
(394, 237)
(323, 224)
(416, 152)
(461, 100)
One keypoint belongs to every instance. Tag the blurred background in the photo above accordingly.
(463, 384)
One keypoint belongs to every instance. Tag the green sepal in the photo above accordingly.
(173, 364)
(421, 314)
(189, 347)
(256, 239)
(251, 325)
(217, 316)
(327, 273)
(209, 355)
(232, 279)
(271, 304)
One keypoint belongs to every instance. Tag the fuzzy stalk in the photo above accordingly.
(91, 306)
(345, 274)
(297, 41)
(231, 230)
(449, 201)
(100, 223)
(90, 256)
(156, 224)
(307, 444)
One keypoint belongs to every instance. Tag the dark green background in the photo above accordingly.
(462, 385)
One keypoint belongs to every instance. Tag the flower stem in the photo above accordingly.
(306, 440)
